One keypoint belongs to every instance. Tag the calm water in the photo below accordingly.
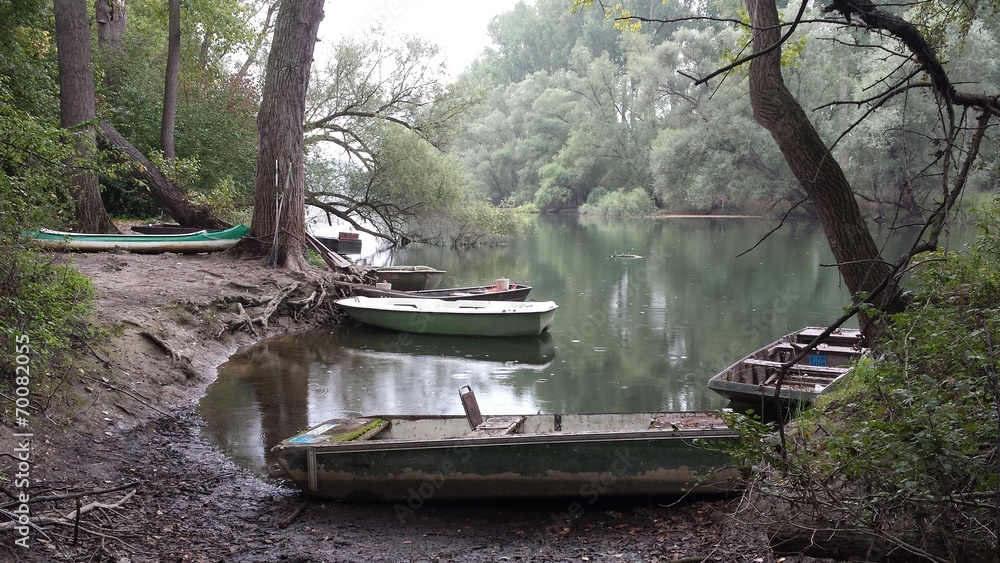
(630, 334)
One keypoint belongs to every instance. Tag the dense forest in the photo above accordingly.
(577, 109)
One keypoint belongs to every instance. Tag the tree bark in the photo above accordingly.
(777, 110)
(169, 197)
(112, 22)
(172, 76)
(77, 108)
(280, 135)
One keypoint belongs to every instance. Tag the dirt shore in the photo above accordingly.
(123, 420)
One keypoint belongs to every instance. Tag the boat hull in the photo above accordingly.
(189, 243)
(516, 292)
(752, 379)
(459, 318)
(410, 278)
(586, 462)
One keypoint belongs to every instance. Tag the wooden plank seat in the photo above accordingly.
(799, 368)
(497, 426)
(787, 347)
(771, 369)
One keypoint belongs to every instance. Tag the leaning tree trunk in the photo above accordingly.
(280, 130)
(168, 196)
(77, 106)
(774, 107)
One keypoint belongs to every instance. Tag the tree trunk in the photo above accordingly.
(112, 21)
(168, 196)
(77, 107)
(774, 107)
(280, 130)
(172, 76)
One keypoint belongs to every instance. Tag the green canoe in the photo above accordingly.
(191, 243)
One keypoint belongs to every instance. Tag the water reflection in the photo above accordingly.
(269, 391)
(630, 335)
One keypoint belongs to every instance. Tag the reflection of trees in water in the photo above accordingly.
(293, 381)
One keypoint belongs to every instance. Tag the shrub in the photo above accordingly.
(907, 452)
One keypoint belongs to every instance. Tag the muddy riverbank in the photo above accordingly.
(119, 440)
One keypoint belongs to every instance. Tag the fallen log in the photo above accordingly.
(165, 193)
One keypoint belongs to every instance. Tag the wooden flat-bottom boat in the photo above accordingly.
(514, 292)
(410, 278)
(418, 458)
(460, 318)
(754, 377)
(190, 243)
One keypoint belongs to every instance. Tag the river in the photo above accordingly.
(643, 333)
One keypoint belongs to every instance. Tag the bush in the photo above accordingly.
(46, 302)
(907, 453)
(633, 203)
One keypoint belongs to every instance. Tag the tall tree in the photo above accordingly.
(279, 194)
(778, 111)
(172, 77)
(77, 109)
(112, 21)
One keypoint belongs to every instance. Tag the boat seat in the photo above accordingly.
(821, 349)
(497, 426)
(799, 368)
(471, 406)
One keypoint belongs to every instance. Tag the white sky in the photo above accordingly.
(458, 27)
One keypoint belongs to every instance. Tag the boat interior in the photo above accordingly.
(476, 425)
(820, 367)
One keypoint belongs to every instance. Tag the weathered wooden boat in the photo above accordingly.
(514, 292)
(343, 243)
(164, 229)
(460, 317)
(410, 278)
(754, 377)
(191, 243)
(414, 459)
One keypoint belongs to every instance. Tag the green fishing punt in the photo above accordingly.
(413, 459)
(189, 243)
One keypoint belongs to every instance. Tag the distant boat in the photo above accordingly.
(343, 243)
(754, 377)
(460, 318)
(392, 458)
(514, 292)
(410, 278)
(191, 243)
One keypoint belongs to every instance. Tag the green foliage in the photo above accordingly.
(479, 223)
(911, 442)
(44, 301)
(215, 126)
(227, 201)
(633, 203)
